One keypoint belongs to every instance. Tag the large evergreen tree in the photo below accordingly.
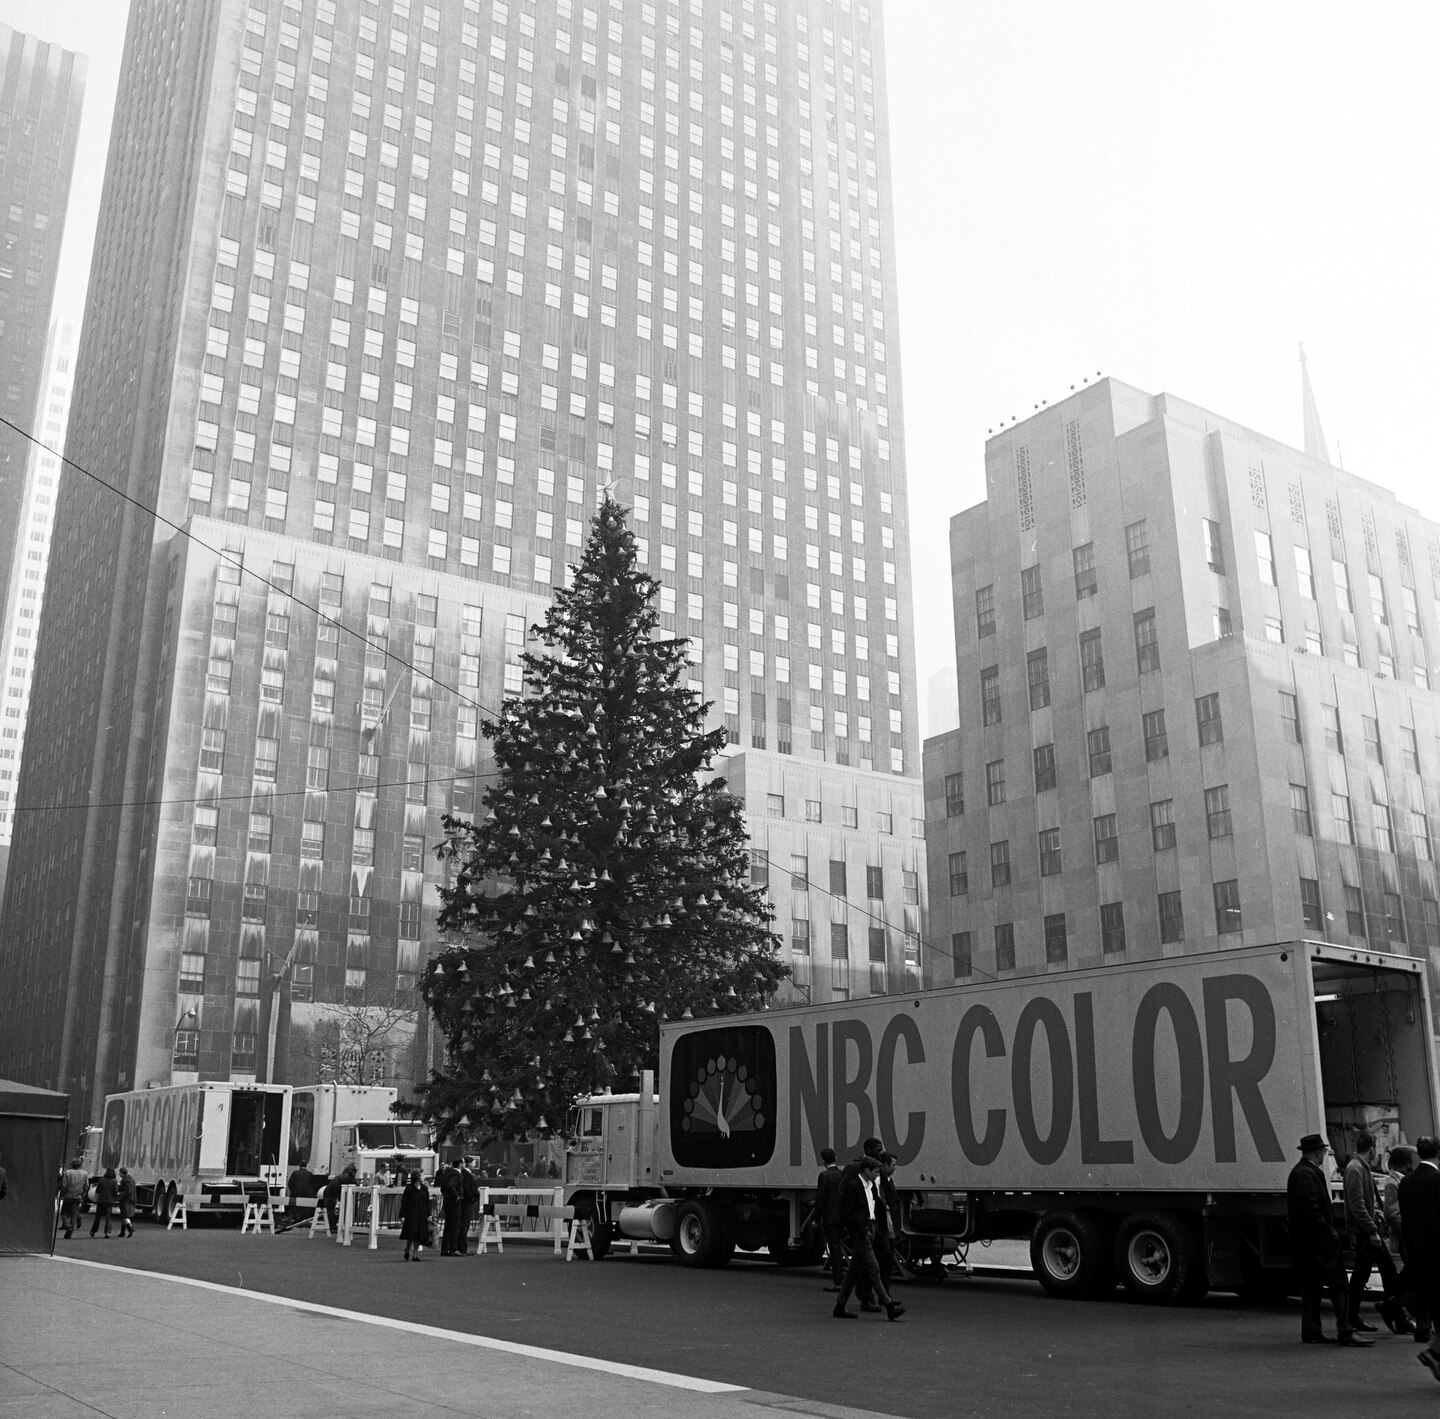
(605, 882)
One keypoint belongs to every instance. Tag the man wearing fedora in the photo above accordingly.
(1315, 1247)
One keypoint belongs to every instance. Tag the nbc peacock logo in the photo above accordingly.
(722, 1097)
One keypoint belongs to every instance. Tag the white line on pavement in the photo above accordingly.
(435, 1332)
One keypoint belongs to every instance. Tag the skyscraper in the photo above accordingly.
(382, 295)
(1198, 706)
(42, 88)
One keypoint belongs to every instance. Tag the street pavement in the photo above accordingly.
(984, 1346)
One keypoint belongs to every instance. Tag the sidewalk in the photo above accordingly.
(80, 1339)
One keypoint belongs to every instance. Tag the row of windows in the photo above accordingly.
(849, 815)
(876, 940)
(798, 874)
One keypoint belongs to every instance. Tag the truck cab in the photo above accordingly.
(379, 1148)
(613, 1142)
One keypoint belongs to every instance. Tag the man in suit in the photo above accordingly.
(1315, 1247)
(1419, 1197)
(826, 1215)
(451, 1187)
(861, 1212)
(469, 1200)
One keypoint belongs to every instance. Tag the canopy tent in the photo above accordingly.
(33, 1128)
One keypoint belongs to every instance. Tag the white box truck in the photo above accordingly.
(1134, 1121)
(203, 1143)
(335, 1125)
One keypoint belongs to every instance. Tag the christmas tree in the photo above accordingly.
(604, 885)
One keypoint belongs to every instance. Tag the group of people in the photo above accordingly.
(113, 1195)
(1404, 1209)
(857, 1208)
(459, 1196)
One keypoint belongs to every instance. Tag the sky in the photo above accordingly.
(1174, 194)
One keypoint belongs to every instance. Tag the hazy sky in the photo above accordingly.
(1176, 194)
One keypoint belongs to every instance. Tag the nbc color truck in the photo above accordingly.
(200, 1143)
(1134, 1121)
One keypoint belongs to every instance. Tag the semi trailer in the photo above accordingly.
(1136, 1122)
(336, 1126)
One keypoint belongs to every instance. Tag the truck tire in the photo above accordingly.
(703, 1235)
(1071, 1255)
(159, 1208)
(591, 1209)
(1159, 1259)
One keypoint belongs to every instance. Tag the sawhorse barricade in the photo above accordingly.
(520, 1215)
(259, 1215)
(178, 1216)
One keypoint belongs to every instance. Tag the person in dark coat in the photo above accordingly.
(469, 1200)
(861, 1213)
(415, 1217)
(1419, 1197)
(826, 1215)
(74, 1184)
(1315, 1247)
(105, 1194)
(330, 1197)
(449, 1182)
(125, 1196)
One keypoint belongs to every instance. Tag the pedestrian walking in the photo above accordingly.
(105, 1191)
(1315, 1247)
(74, 1184)
(860, 1205)
(125, 1196)
(449, 1182)
(825, 1215)
(1364, 1218)
(1402, 1164)
(415, 1217)
(469, 1201)
(1419, 1196)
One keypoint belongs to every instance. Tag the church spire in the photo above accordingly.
(1314, 435)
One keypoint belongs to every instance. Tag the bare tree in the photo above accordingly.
(359, 1041)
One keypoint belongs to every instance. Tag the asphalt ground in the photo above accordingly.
(983, 1345)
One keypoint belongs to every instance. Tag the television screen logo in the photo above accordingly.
(722, 1097)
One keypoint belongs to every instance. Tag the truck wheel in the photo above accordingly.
(170, 1196)
(1159, 1259)
(1070, 1255)
(159, 1209)
(703, 1235)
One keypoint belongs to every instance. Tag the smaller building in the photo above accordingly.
(842, 854)
(1195, 671)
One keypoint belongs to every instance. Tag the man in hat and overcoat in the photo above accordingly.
(1315, 1247)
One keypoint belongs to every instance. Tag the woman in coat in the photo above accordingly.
(415, 1217)
(105, 1190)
(125, 1195)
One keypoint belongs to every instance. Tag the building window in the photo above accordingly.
(1107, 839)
(1290, 716)
(186, 1055)
(1384, 828)
(212, 751)
(307, 908)
(1227, 907)
(1157, 745)
(1409, 749)
(197, 896)
(875, 883)
(192, 973)
(812, 810)
(247, 978)
(207, 824)
(985, 612)
(1430, 919)
(849, 816)
(839, 941)
(1000, 864)
(1373, 751)
(1214, 551)
(1147, 642)
(302, 982)
(1032, 594)
(910, 887)
(1300, 810)
(312, 839)
(1005, 946)
(1265, 558)
(1223, 625)
(1097, 745)
(799, 936)
(1377, 600)
(1085, 581)
(1217, 811)
(1037, 672)
(1057, 943)
(1172, 918)
(759, 867)
(1355, 911)
(1310, 908)
(1112, 927)
(1092, 661)
(995, 782)
(877, 944)
(1344, 822)
(1420, 830)
(1207, 719)
(1044, 767)
(990, 694)
(1304, 573)
(253, 903)
(960, 953)
(1274, 630)
(837, 877)
(1137, 548)
(884, 824)
(1394, 917)
(799, 872)
(775, 804)
(409, 929)
(959, 875)
(1049, 843)
(954, 795)
(267, 760)
(1162, 824)
(1334, 739)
